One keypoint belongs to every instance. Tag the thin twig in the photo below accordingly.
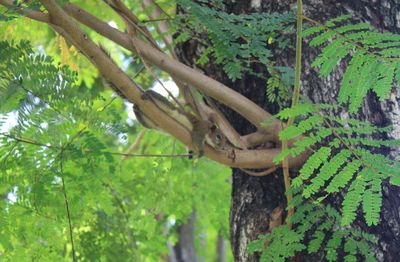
(129, 23)
(61, 156)
(345, 144)
(147, 155)
(138, 72)
(295, 99)
(67, 206)
(28, 141)
(162, 27)
(157, 20)
(160, 8)
(123, 10)
(135, 144)
(32, 142)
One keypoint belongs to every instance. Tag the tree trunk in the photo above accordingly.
(254, 198)
(221, 248)
(185, 250)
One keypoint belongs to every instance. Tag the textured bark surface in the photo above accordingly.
(253, 199)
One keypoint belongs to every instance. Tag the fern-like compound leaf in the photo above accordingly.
(373, 59)
(372, 202)
(353, 198)
(326, 172)
(311, 165)
(342, 178)
(333, 243)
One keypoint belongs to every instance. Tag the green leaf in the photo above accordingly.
(326, 172)
(343, 177)
(353, 198)
(372, 202)
(395, 180)
(315, 243)
(297, 110)
(311, 165)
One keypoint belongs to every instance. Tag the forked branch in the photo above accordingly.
(235, 157)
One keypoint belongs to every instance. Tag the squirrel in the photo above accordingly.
(199, 129)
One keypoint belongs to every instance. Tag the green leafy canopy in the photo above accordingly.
(67, 147)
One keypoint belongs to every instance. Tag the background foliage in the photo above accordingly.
(66, 147)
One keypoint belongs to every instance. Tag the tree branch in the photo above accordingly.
(262, 158)
(207, 85)
(121, 39)
(124, 11)
(185, 74)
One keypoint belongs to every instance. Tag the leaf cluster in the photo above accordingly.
(67, 147)
(317, 231)
(237, 41)
(344, 158)
(345, 154)
(374, 58)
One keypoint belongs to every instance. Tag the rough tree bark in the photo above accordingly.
(254, 198)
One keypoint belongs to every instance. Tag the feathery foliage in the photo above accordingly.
(374, 58)
(323, 224)
(237, 41)
(344, 158)
(67, 147)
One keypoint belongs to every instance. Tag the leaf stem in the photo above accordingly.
(295, 100)
(35, 143)
(67, 205)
